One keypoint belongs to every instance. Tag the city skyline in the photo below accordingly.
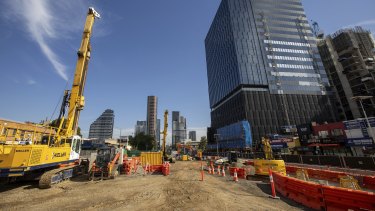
(34, 80)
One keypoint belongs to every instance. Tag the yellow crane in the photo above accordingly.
(53, 158)
(165, 134)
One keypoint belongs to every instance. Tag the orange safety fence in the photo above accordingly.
(166, 168)
(334, 176)
(241, 173)
(344, 199)
(306, 193)
(320, 197)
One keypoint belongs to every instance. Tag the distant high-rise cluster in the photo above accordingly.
(102, 127)
(348, 57)
(178, 128)
(193, 135)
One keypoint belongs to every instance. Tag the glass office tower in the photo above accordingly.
(263, 66)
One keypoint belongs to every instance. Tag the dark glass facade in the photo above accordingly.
(263, 65)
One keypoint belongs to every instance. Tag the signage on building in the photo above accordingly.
(279, 145)
(359, 142)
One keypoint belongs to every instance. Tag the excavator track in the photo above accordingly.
(54, 176)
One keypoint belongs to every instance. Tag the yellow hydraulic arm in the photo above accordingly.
(76, 100)
(165, 132)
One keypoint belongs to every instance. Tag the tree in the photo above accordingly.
(203, 143)
(142, 142)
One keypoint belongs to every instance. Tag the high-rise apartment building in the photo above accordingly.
(140, 127)
(102, 127)
(178, 128)
(193, 135)
(263, 66)
(348, 56)
(152, 108)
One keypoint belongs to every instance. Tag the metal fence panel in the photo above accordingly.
(310, 159)
(366, 163)
(330, 160)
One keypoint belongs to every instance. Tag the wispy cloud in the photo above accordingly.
(31, 82)
(39, 19)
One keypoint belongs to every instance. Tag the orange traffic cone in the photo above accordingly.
(223, 173)
(218, 170)
(235, 178)
(213, 170)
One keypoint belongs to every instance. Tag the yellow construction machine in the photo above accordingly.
(164, 150)
(53, 158)
(262, 166)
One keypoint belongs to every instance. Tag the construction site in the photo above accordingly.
(46, 167)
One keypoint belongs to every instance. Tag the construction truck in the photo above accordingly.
(262, 166)
(56, 156)
(105, 165)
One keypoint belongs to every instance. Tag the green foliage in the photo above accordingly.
(142, 142)
(203, 144)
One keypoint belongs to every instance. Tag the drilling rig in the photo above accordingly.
(55, 157)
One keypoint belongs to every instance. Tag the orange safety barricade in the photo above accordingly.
(344, 199)
(241, 173)
(369, 182)
(306, 193)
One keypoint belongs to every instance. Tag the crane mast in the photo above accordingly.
(165, 132)
(76, 100)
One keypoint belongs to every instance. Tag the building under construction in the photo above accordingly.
(348, 57)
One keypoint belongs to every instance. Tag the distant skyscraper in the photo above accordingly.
(140, 127)
(152, 109)
(193, 135)
(263, 66)
(178, 128)
(102, 127)
(348, 57)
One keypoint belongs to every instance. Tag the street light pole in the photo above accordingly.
(217, 143)
(360, 98)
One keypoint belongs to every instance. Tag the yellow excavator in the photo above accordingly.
(262, 165)
(53, 159)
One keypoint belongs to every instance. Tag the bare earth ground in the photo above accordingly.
(181, 190)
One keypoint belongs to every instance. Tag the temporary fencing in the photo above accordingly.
(365, 181)
(241, 173)
(320, 197)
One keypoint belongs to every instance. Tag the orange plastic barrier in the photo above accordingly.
(334, 176)
(369, 182)
(344, 199)
(306, 193)
(323, 197)
(241, 173)
(166, 169)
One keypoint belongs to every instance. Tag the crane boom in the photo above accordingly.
(165, 131)
(77, 100)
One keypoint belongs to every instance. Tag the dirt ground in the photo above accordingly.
(181, 190)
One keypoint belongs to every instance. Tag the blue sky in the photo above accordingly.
(139, 48)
